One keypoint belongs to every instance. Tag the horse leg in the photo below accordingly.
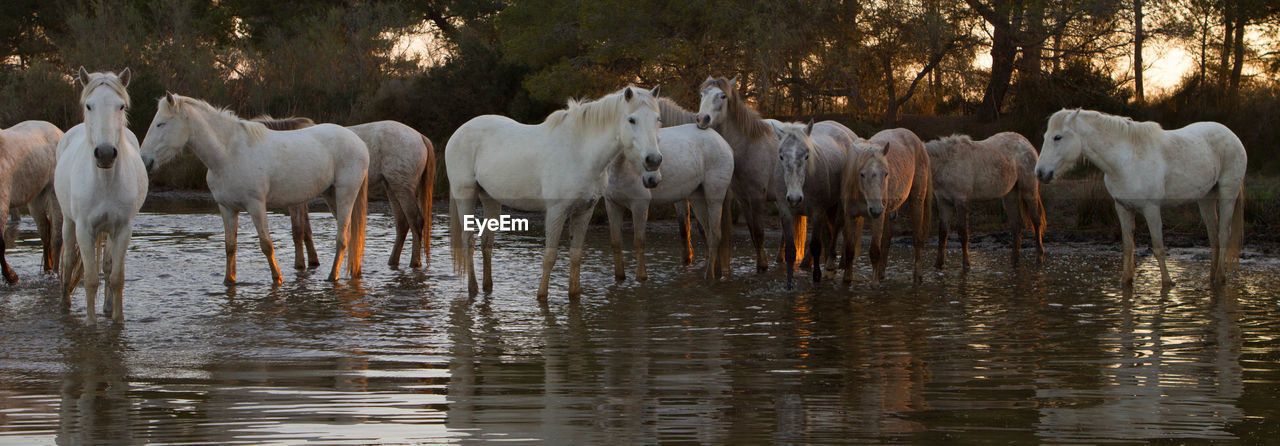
(230, 224)
(89, 258)
(705, 213)
(296, 230)
(852, 245)
(1209, 213)
(1151, 213)
(755, 225)
(258, 212)
(1227, 198)
(463, 206)
(118, 245)
(104, 259)
(556, 217)
(682, 220)
(962, 212)
(1035, 211)
(578, 230)
(919, 236)
(880, 235)
(814, 253)
(402, 231)
(639, 219)
(39, 209)
(9, 276)
(313, 259)
(11, 230)
(788, 242)
(945, 209)
(614, 211)
(492, 212)
(1126, 235)
(1014, 214)
(404, 209)
(340, 205)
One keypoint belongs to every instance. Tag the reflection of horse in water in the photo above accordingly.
(96, 404)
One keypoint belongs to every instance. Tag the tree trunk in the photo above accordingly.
(1228, 27)
(891, 111)
(1003, 52)
(1138, 36)
(1033, 41)
(1237, 67)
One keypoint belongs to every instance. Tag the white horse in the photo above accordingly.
(696, 171)
(100, 183)
(401, 159)
(27, 159)
(251, 168)
(1146, 167)
(556, 167)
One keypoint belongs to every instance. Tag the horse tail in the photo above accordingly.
(356, 229)
(1236, 239)
(456, 248)
(426, 187)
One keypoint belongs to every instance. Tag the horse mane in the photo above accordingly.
(672, 114)
(599, 113)
(109, 80)
(945, 146)
(256, 130)
(290, 123)
(1138, 133)
(742, 115)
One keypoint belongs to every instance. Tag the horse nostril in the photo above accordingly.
(652, 161)
(104, 152)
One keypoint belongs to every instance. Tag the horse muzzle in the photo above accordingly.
(875, 211)
(703, 120)
(651, 180)
(1044, 175)
(148, 161)
(105, 155)
(795, 199)
(652, 161)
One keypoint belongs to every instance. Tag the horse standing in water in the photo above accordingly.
(401, 159)
(1146, 167)
(696, 170)
(557, 167)
(28, 156)
(100, 183)
(883, 175)
(251, 168)
(810, 168)
(1002, 166)
(755, 153)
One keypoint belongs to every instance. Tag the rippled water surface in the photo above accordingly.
(1052, 354)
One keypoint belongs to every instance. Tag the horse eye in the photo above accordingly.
(122, 107)
(631, 120)
(88, 107)
(782, 157)
(862, 174)
(722, 95)
(1057, 137)
(159, 124)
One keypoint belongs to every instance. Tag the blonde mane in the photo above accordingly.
(109, 80)
(255, 130)
(1139, 134)
(672, 114)
(742, 115)
(947, 146)
(601, 113)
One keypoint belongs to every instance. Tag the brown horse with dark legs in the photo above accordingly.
(1000, 167)
(884, 176)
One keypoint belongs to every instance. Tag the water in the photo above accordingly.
(1056, 354)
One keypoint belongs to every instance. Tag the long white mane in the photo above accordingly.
(601, 113)
(1139, 134)
(255, 130)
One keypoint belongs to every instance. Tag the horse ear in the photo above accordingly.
(125, 76)
(885, 150)
(627, 94)
(777, 131)
(168, 97)
(82, 76)
(808, 128)
(655, 90)
(733, 83)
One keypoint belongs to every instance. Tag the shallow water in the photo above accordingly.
(1050, 354)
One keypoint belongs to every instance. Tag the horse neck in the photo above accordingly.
(1113, 157)
(211, 137)
(595, 151)
(738, 137)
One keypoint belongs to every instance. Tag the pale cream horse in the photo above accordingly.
(556, 167)
(999, 167)
(251, 168)
(884, 174)
(28, 155)
(100, 183)
(402, 160)
(1146, 167)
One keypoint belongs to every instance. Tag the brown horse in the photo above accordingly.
(399, 157)
(1002, 166)
(27, 161)
(884, 175)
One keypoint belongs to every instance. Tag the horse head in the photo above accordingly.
(794, 159)
(1063, 145)
(638, 132)
(104, 100)
(873, 175)
(168, 133)
(717, 94)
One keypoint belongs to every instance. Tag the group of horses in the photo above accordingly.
(631, 148)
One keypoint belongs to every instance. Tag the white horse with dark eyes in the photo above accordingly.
(1146, 167)
(100, 183)
(557, 167)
